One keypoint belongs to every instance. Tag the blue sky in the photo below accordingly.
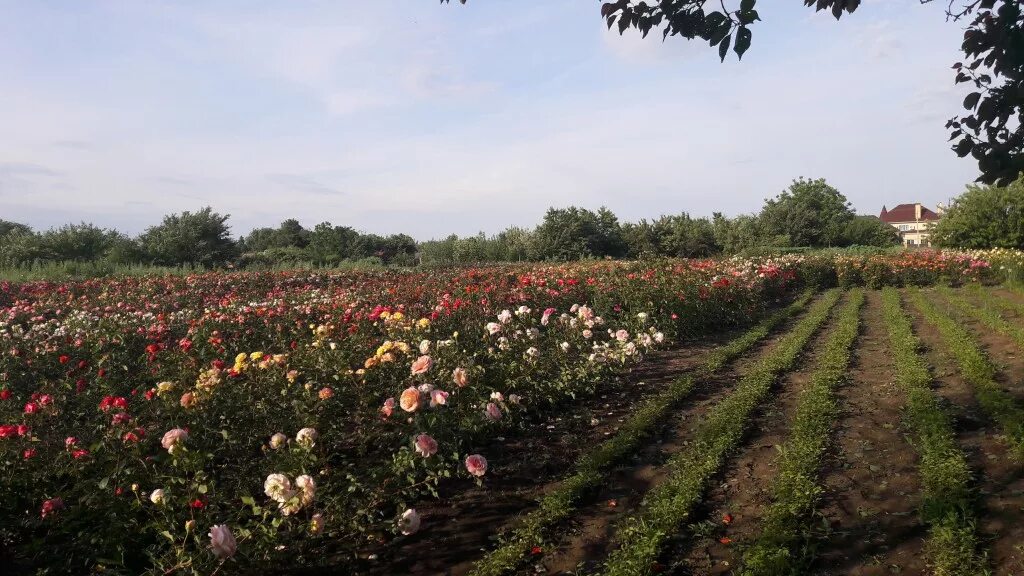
(406, 116)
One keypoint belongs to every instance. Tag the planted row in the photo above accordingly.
(952, 546)
(668, 504)
(780, 548)
(559, 504)
(977, 370)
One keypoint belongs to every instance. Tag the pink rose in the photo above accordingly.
(426, 446)
(460, 377)
(438, 398)
(493, 412)
(172, 438)
(410, 399)
(422, 364)
(388, 408)
(222, 542)
(476, 464)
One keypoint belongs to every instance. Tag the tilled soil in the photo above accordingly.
(591, 533)
(870, 477)
(464, 523)
(729, 517)
(1000, 477)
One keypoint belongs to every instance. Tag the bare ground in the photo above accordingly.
(1000, 477)
(871, 480)
(729, 517)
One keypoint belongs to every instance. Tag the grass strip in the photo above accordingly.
(946, 501)
(984, 314)
(560, 503)
(989, 299)
(977, 370)
(669, 503)
(781, 548)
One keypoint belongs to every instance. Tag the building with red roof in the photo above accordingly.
(913, 221)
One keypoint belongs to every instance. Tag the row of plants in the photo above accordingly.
(947, 502)
(783, 544)
(976, 369)
(667, 506)
(988, 313)
(556, 506)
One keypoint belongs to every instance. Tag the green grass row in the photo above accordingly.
(782, 546)
(946, 501)
(990, 299)
(987, 313)
(559, 504)
(977, 370)
(668, 505)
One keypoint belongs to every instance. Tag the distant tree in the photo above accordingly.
(258, 240)
(809, 213)
(201, 237)
(7, 227)
(77, 242)
(737, 234)
(330, 244)
(685, 237)
(870, 231)
(984, 217)
(640, 239)
(291, 233)
(574, 233)
(19, 247)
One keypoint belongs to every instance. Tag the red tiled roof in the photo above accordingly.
(905, 213)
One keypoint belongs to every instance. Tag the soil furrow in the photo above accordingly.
(595, 523)
(712, 544)
(1000, 481)
(871, 480)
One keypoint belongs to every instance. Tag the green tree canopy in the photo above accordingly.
(201, 237)
(809, 213)
(984, 217)
(870, 231)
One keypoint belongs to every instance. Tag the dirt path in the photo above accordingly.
(465, 521)
(741, 493)
(871, 480)
(1000, 481)
(592, 531)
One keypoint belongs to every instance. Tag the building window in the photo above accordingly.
(904, 227)
(910, 242)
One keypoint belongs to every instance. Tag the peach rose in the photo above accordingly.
(422, 364)
(410, 399)
(460, 377)
(172, 438)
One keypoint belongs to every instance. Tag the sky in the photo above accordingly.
(406, 116)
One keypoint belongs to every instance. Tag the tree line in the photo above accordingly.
(809, 214)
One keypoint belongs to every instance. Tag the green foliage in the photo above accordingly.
(781, 546)
(557, 505)
(870, 231)
(576, 233)
(667, 505)
(984, 217)
(809, 213)
(977, 370)
(946, 502)
(198, 238)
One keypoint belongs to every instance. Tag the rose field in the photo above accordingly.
(817, 413)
